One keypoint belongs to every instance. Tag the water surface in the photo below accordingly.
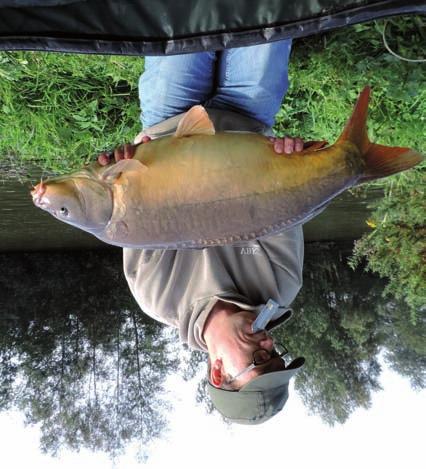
(83, 362)
(24, 227)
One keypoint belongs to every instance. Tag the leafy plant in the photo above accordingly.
(59, 110)
(395, 248)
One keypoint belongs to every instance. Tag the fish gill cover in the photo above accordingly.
(157, 27)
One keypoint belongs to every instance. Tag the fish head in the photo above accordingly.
(83, 202)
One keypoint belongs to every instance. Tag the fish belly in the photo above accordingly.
(203, 190)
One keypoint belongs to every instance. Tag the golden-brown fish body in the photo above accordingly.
(206, 190)
(198, 188)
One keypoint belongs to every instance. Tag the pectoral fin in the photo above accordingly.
(195, 122)
(315, 145)
(113, 172)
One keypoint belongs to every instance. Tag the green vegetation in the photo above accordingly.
(326, 76)
(343, 326)
(60, 110)
(395, 248)
(327, 73)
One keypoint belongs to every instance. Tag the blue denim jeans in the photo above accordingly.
(250, 80)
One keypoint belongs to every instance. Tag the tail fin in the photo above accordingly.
(380, 160)
(383, 161)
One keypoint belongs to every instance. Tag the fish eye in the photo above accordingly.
(63, 211)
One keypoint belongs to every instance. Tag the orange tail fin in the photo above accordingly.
(380, 160)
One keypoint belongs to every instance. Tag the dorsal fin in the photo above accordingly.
(195, 122)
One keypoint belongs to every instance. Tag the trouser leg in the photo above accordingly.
(170, 85)
(253, 80)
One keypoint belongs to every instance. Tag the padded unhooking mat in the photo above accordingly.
(157, 27)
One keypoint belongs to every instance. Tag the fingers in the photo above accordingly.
(123, 152)
(141, 138)
(118, 153)
(104, 158)
(287, 144)
(279, 145)
(298, 144)
(128, 151)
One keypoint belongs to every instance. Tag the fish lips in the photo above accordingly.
(37, 195)
(43, 202)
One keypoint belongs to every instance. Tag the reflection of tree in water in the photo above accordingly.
(76, 353)
(79, 357)
(341, 324)
(337, 330)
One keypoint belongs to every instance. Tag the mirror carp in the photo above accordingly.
(200, 188)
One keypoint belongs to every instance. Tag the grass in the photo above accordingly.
(59, 110)
(329, 71)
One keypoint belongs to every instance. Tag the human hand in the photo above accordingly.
(141, 138)
(287, 144)
(123, 152)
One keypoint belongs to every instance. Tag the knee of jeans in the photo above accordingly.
(153, 105)
(268, 101)
(152, 83)
(276, 94)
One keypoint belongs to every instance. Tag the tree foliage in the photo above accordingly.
(395, 248)
(78, 356)
(343, 323)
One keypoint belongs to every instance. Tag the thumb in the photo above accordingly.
(139, 137)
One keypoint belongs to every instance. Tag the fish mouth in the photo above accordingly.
(39, 198)
(37, 194)
(44, 204)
